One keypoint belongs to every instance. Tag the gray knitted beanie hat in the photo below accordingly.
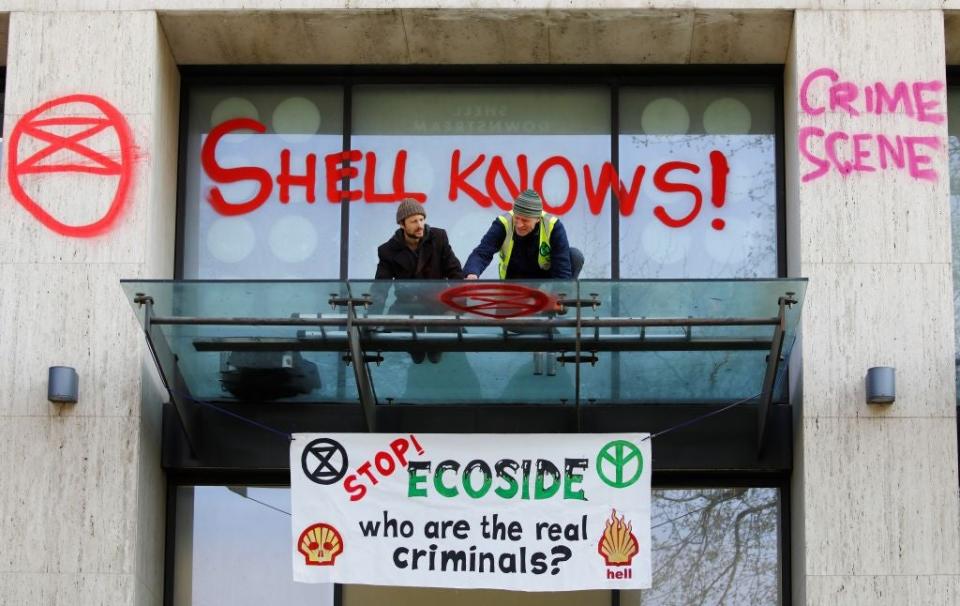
(408, 208)
(528, 204)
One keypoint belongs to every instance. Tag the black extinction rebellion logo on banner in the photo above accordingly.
(324, 461)
(524, 512)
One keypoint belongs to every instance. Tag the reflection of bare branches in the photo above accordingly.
(733, 496)
(715, 546)
(730, 570)
(717, 367)
(679, 378)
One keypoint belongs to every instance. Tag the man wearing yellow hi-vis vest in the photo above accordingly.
(536, 248)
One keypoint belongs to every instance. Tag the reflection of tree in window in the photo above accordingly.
(713, 546)
(953, 146)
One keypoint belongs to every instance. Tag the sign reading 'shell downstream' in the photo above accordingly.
(529, 512)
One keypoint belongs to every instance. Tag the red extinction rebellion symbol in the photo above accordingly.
(62, 136)
(496, 300)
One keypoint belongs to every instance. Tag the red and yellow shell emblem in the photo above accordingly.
(320, 545)
(618, 544)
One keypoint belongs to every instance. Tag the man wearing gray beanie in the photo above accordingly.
(532, 244)
(416, 251)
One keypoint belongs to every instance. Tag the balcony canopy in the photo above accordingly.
(566, 343)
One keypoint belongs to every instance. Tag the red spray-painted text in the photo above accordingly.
(479, 177)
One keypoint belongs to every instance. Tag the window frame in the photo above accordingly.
(953, 81)
(747, 473)
(613, 78)
(688, 481)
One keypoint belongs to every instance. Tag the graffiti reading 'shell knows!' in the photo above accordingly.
(915, 103)
(488, 180)
(61, 153)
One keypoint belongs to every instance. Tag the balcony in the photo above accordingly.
(588, 355)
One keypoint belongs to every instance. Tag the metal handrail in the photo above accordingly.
(444, 321)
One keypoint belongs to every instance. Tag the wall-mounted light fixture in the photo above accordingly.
(63, 385)
(881, 385)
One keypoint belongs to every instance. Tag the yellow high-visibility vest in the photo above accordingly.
(543, 251)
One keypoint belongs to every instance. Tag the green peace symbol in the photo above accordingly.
(620, 453)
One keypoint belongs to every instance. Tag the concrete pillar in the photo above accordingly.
(875, 488)
(81, 490)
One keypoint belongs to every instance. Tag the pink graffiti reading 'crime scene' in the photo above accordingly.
(848, 152)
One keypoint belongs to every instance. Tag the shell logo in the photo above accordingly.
(320, 545)
(618, 544)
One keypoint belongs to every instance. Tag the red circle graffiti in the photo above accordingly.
(496, 300)
(32, 125)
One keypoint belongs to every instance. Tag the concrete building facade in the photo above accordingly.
(874, 510)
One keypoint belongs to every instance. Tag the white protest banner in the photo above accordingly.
(530, 512)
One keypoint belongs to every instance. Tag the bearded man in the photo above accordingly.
(417, 251)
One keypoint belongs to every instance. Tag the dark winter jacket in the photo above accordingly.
(433, 260)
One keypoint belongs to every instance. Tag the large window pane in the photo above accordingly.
(713, 546)
(953, 129)
(466, 150)
(361, 595)
(691, 218)
(235, 549)
(710, 546)
(263, 224)
(513, 138)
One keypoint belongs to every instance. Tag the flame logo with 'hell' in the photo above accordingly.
(618, 544)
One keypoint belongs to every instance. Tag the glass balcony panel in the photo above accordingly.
(678, 363)
(206, 355)
(491, 363)
(440, 342)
